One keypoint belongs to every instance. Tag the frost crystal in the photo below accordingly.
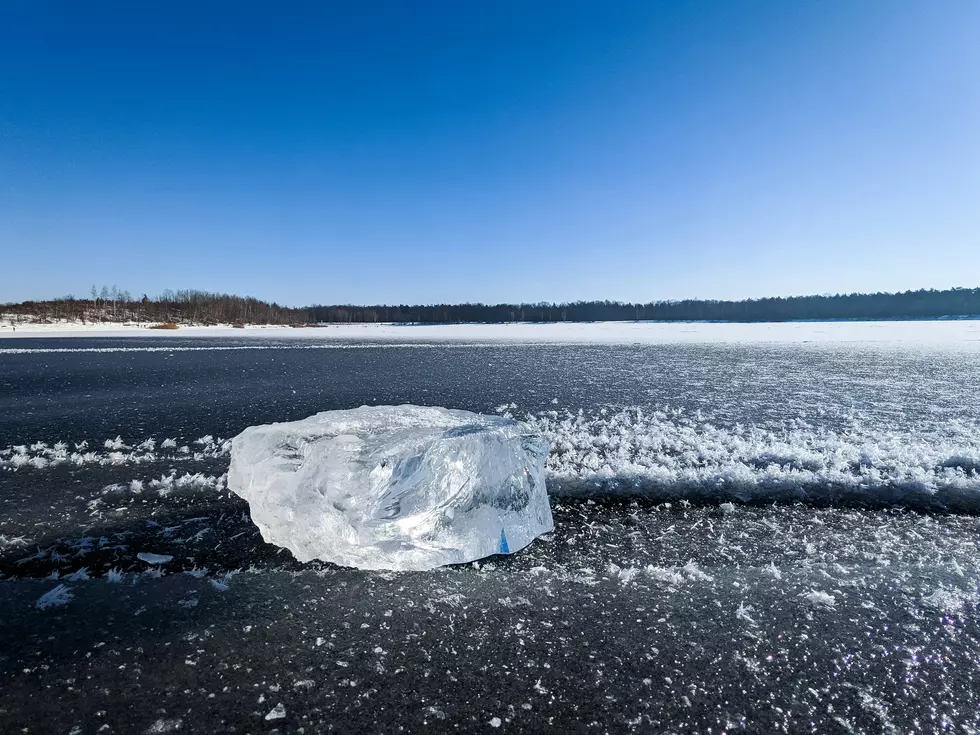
(404, 488)
(60, 595)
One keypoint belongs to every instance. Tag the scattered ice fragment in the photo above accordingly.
(818, 598)
(495, 722)
(276, 713)
(394, 487)
(168, 444)
(743, 613)
(154, 558)
(60, 595)
(165, 726)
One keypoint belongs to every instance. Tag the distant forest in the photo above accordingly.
(199, 307)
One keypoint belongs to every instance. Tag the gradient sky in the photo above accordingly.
(406, 152)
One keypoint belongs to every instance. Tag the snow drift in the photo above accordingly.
(394, 487)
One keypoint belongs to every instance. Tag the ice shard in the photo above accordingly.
(394, 487)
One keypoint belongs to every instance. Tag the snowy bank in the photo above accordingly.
(945, 332)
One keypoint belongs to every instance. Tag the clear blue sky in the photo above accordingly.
(490, 150)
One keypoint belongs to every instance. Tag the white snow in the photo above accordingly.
(394, 487)
(912, 331)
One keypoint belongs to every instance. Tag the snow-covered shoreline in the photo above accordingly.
(907, 332)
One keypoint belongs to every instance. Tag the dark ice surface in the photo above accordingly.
(635, 615)
(64, 395)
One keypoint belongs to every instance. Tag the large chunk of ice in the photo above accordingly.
(394, 487)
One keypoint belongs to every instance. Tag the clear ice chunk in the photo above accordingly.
(394, 487)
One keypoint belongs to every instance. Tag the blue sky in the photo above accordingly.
(406, 152)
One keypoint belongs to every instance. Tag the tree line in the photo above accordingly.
(202, 307)
(178, 307)
(924, 303)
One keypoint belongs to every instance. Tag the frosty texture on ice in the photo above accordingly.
(394, 487)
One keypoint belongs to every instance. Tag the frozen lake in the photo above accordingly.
(849, 605)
